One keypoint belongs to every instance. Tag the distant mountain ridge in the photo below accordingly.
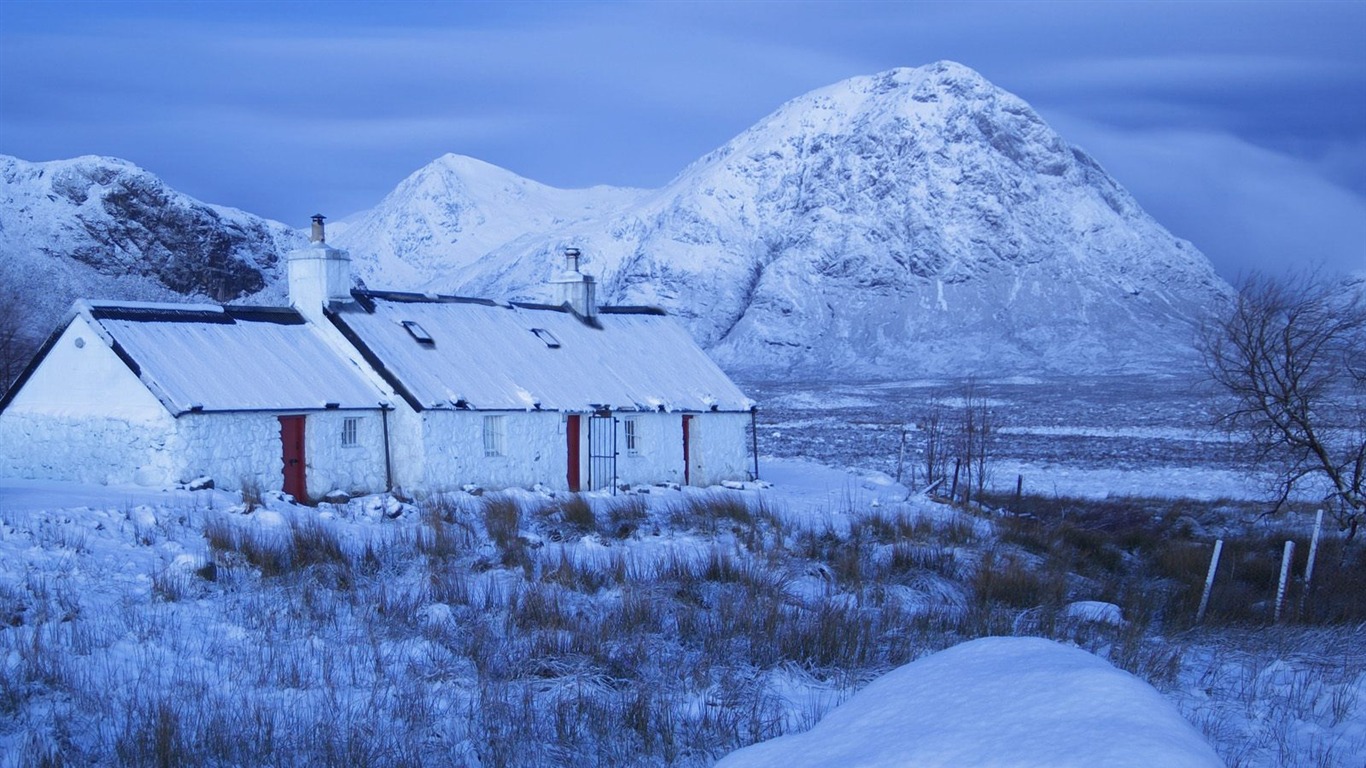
(103, 227)
(914, 222)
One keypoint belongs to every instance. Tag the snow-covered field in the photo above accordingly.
(1083, 437)
(661, 627)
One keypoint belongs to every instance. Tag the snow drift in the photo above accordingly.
(1000, 701)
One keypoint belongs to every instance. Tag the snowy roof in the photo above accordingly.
(207, 357)
(450, 352)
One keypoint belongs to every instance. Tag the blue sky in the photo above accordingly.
(1239, 125)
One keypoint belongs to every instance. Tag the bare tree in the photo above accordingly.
(16, 344)
(1290, 355)
(975, 439)
(934, 455)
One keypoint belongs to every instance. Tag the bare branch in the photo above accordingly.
(1288, 356)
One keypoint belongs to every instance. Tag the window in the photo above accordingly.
(494, 437)
(547, 337)
(349, 429)
(419, 333)
(632, 437)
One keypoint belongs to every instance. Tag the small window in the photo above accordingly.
(547, 337)
(419, 333)
(350, 427)
(494, 436)
(632, 437)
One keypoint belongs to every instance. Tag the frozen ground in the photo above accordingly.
(1082, 437)
(657, 635)
(995, 701)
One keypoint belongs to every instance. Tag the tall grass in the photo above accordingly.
(460, 635)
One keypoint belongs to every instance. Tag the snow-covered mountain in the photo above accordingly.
(102, 227)
(915, 220)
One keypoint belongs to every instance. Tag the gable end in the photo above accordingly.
(32, 366)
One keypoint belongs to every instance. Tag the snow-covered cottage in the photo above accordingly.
(351, 391)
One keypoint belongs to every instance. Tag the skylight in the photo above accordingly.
(547, 337)
(418, 332)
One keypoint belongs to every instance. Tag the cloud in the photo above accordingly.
(281, 108)
(1246, 207)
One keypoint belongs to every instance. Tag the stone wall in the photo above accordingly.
(536, 450)
(333, 466)
(240, 449)
(720, 448)
(88, 449)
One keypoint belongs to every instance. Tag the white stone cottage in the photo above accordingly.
(351, 391)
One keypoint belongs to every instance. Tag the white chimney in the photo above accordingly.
(318, 274)
(574, 288)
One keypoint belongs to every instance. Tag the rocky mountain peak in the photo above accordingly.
(912, 222)
(111, 217)
(912, 217)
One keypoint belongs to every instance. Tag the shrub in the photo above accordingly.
(314, 543)
(443, 533)
(502, 520)
(574, 512)
(1006, 579)
(625, 515)
(252, 493)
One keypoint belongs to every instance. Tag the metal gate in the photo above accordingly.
(602, 452)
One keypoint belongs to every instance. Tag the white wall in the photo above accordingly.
(661, 449)
(720, 448)
(454, 450)
(536, 449)
(84, 417)
(239, 448)
(88, 449)
(406, 445)
(332, 466)
(81, 376)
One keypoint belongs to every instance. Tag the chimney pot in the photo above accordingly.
(575, 288)
(318, 235)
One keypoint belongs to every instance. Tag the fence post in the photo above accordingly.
(953, 490)
(1309, 566)
(901, 456)
(1209, 580)
(1285, 575)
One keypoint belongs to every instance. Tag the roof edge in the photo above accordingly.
(372, 359)
(411, 297)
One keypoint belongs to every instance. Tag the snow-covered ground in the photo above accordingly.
(995, 701)
(664, 626)
(663, 633)
(1095, 437)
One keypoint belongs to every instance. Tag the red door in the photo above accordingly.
(292, 438)
(571, 436)
(687, 459)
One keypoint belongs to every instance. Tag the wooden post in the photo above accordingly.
(901, 455)
(1209, 580)
(953, 490)
(1309, 566)
(1285, 575)
(1019, 486)
(754, 437)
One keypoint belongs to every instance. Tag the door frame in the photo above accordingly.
(294, 457)
(687, 448)
(573, 473)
